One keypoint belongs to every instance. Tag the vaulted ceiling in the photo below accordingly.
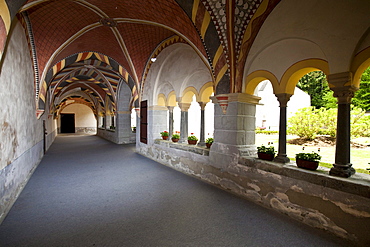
(95, 45)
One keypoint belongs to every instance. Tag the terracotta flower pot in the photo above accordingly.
(208, 145)
(164, 137)
(305, 164)
(175, 139)
(265, 156)
(192, 142)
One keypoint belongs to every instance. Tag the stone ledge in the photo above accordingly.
(358, 184)
(183, 146)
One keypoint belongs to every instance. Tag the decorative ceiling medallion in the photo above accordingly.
(109, 22)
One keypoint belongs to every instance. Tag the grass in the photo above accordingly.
(360, 158)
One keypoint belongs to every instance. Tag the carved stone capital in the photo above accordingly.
(170, 108)
(283, 98)
(341, 84)
(202, 105)
(184, 106)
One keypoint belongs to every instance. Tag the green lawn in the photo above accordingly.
(360, 158)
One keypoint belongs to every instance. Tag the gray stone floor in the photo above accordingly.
(90, 192)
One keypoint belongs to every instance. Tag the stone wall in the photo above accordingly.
(21, 135)
(340, 206)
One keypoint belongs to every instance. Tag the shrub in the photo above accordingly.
(175, 136)
(209, 140)
(305, 123)
(192, 137)
(164, 133)
(308, 156)
(267, 150)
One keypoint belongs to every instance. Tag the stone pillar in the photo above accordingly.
(202, 124)
(184, 122)
(157, 122)
(123, 126)
(235, 124)
(344, 92)
(170, 120)
(283, 99)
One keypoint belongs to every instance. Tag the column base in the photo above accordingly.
(202, 144)
(344, 171)
(281, 158)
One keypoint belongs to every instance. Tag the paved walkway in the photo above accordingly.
(90, 192)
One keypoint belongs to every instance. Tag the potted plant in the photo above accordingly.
(308, 161)
(266, 153)
(175, 137)
(192, 139)
(164, 135)
(209, 142)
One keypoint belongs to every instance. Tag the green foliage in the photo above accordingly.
(330, 100)
(315, 84)
(209, 140)
(175, 136)
(308, 156)
(328, 122)
(267, 150)
(362, 96)
(164, 133)
(309, 122)
(305, 123)
(192, 137)
(360, 124)
(266, 132)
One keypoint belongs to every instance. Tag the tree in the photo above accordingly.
(316, 85)
(362, 96)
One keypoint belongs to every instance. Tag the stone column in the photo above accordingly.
(202, 124)
(184, 122)
(170, 120)
(283, 99)
(235, 124)
(344, 92)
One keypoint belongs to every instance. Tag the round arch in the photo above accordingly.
(206, 92)
(161, 100)
(360, 63)
(256, 77)
(293, 74)
(171, 99)
(187, 95)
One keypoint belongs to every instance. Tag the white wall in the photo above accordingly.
(269, 109)
(21, 133)
(85, 120)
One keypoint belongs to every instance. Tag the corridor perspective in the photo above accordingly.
(90, 192)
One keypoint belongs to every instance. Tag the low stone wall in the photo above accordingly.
(338, 205)
(86, 130)
(115, 137)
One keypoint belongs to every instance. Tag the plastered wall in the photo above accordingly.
(85, 120)
(21, 135)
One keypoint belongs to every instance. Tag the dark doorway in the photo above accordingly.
(67, 123)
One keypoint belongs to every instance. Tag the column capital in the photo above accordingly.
(283, 98)
(170, 108)
(341, 84)
(184, 106)
(202, 105)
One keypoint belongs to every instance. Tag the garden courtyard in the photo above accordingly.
(360, 150)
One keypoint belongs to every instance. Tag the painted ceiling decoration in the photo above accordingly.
(119, 38)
